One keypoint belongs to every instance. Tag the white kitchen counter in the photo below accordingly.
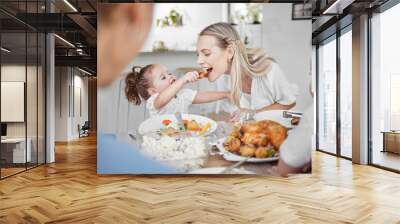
(18, 149)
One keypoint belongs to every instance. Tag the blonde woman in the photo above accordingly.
(255, 81)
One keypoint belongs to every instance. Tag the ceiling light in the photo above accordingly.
(337, 7)
(65, 41)
(84, 71)
(70, 5)
(5, 50)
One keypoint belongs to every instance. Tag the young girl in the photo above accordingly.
(163, 91)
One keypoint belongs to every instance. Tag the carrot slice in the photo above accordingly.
(166, 122)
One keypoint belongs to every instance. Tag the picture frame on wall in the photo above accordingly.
(301, 11)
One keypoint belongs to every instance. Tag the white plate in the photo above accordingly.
(274, 115)
(219, 170)
(233, 157)
(155, 123)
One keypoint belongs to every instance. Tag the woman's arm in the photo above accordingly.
(249, 113)
(276, 106)
(209, 96)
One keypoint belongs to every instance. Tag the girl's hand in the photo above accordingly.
(190, 77)
(242, 114)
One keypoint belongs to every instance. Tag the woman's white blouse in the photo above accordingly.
(265, 90)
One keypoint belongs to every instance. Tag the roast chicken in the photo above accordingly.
(256, 139)
(204, 74)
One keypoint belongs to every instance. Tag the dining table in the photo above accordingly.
(215, 161)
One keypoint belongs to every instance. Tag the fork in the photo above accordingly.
(179, 119)
(229, 168)
(292, 114)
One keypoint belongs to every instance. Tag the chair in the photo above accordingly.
(84, 130)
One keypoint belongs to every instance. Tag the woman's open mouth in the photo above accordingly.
(204, 74)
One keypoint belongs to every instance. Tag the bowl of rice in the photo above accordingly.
(182, 153)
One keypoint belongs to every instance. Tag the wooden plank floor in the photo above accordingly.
(70, 191)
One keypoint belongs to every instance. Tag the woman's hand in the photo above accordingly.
(242, 114)
(295, 121)
(190, 77)
(284, 169)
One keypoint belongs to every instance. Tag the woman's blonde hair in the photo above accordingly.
(250, 62)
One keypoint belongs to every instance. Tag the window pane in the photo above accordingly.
(386, 88)
(327, 97)
(346, 94)
(31, 100)
(41, 98)
(13, 86)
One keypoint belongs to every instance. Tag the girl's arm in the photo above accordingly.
(165, 96)
(210, 96)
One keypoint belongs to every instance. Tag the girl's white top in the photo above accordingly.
(184, 98)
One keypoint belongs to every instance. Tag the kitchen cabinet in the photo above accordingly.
(391, 141)
(14, 152)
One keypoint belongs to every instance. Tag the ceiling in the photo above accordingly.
(72, 20)
(332, 15)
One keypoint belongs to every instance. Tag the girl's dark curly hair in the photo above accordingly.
(137, 84)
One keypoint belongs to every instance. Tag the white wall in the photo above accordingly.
(289, 43)
(68, 80)
(80, 82)
(195, 17)
(313, 90)
(62, 81)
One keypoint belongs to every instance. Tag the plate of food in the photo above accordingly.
(167, 125)
(258, 140)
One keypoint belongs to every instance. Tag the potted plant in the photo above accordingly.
(174, 18)
(254, 12)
